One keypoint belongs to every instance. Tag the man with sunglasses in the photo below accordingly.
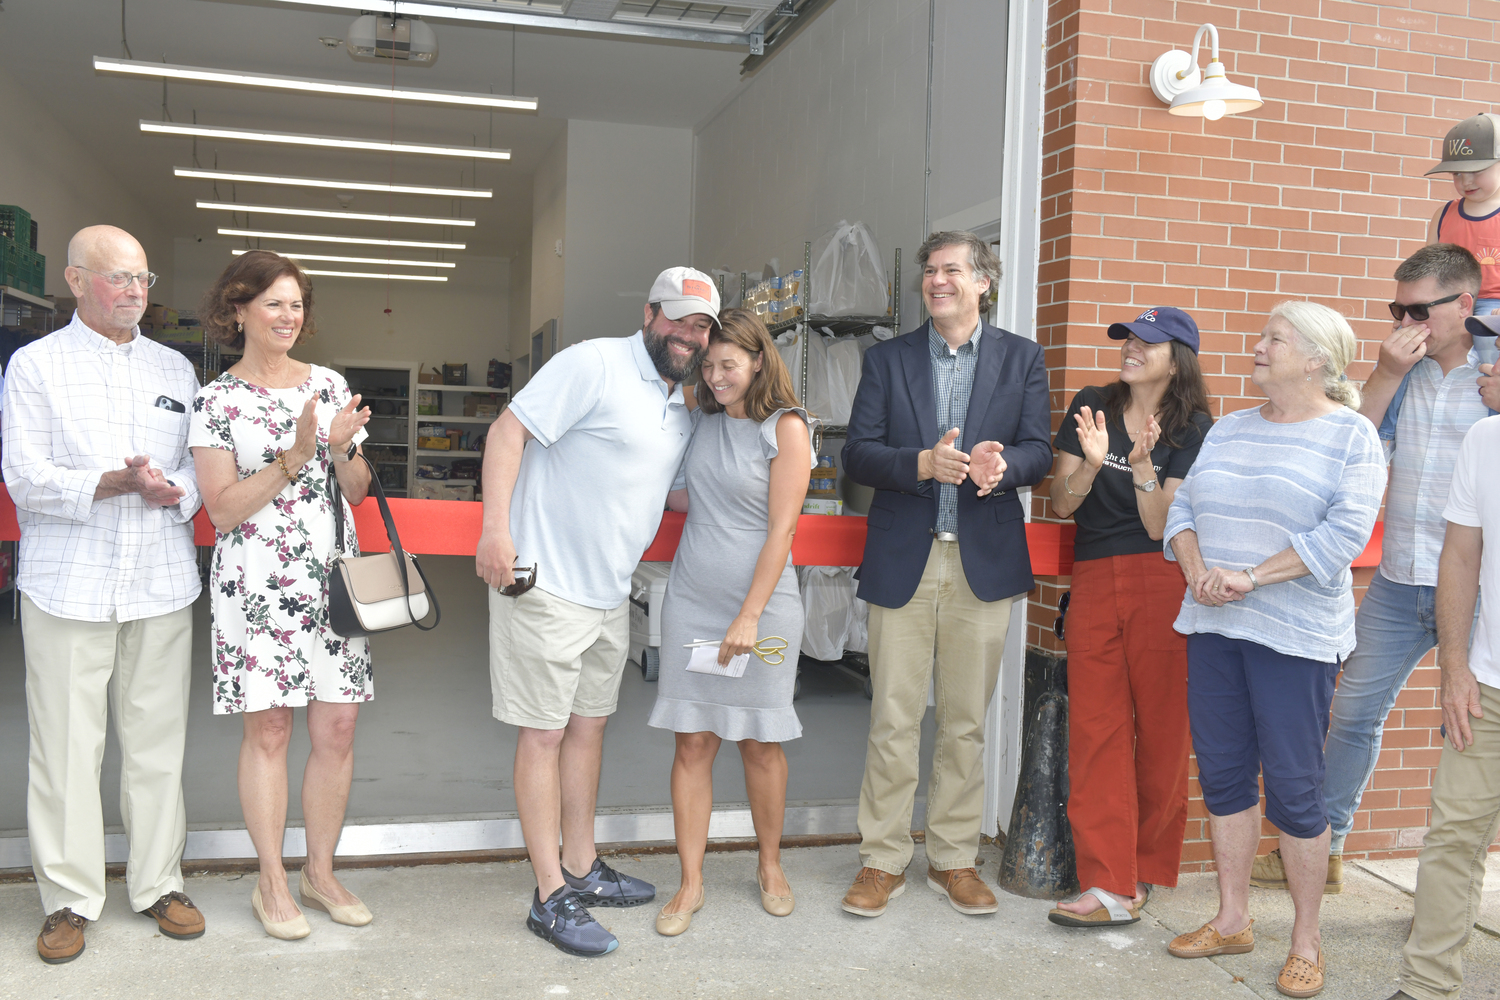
(1422, 397)
(96, 459)
(576, 476)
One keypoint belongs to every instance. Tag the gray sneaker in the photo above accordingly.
(603, 886)
(562, 919)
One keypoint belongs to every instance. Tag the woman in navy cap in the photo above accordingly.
(1123, 449)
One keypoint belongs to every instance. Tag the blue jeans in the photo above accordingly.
(1395, 627)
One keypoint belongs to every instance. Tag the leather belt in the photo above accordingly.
(945, 536)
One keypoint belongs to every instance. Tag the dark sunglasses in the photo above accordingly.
(1062, 614)
(1418, 310)
(521, 585)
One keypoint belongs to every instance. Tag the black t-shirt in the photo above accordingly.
(1109, 523)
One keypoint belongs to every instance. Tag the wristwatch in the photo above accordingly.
(349, 455)
(1146, 487)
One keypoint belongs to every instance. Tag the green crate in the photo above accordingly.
(15, 224)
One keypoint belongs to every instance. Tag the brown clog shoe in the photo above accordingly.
(1300, 978)
(61, 939)
(965, 891)
(872, 890)
(177, 917)
(1206, 941)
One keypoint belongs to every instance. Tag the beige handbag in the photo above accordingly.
(381, 592)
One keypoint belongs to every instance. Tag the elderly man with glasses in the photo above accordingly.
(96, 459)
(1422, 398)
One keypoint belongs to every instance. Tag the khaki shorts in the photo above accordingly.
(551, 658)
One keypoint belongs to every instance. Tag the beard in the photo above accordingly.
(657, 346)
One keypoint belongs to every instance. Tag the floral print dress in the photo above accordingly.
(272, 646)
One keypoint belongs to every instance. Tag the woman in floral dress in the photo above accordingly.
(268, 436)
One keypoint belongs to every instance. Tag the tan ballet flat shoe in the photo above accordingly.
(355, 914)
(776, 906)
(286, 930)
(673, 924)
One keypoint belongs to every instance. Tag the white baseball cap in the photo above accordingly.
(682, 291)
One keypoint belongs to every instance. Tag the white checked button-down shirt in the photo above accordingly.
(1435, 415)
(77, 405)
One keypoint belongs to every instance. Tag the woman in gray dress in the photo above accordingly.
(746, 477)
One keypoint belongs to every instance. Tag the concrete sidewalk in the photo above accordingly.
(458, 931)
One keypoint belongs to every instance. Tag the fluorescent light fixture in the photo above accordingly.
(332, 185)
(256, 234)
(371, 274)
(325, 88)
(332, 142)
(356, 260)
(314, 213)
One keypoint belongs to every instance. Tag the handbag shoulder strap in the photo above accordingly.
(390, 533)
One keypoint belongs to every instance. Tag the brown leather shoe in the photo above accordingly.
(872, 890)
(177, 917)
(61, 939)
(965, 892)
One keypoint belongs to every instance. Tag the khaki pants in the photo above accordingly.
(1450, 874)
(944, 622)
(77, 675)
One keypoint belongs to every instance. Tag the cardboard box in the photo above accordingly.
(817, 505)
(160, 317)
(433, 377)
(433, 443)
(475, 401)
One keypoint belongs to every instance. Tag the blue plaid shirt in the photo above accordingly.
(952, 382)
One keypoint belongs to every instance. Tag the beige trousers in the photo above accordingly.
(1450, 874)
(77, 675)
(944, 623)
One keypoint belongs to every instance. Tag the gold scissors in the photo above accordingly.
(768, 649)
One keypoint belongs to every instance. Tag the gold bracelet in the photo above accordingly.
(1068, 478)
(281, 461)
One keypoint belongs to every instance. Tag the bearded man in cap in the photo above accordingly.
(576, 477)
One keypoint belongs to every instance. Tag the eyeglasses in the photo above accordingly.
(122, 279)
(1418, 310)
(1062, 614)
(521, 585)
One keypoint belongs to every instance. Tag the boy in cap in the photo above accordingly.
(575, 482)
(1471, 154)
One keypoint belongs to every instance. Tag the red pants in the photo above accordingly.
(1128, 739)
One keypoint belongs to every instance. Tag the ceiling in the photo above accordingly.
(48, 46)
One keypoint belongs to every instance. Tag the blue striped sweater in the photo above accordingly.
(1259, 487)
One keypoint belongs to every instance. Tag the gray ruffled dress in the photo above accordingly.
(728, 478)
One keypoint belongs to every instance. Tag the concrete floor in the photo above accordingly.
(427, 746)
(457, 931)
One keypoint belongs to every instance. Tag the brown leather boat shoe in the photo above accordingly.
(872, 890)
(61, 939)
(177, 917)
(964, 889)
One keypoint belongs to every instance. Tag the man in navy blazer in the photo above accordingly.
(948, 423)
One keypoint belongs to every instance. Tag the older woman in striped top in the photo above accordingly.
(1280, 501)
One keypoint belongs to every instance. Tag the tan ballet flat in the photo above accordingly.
(673, 924)
(286, 930)
(355, 914)
(776, 906)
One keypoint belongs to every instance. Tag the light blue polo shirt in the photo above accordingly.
(592, 486)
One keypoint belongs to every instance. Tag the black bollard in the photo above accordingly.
(1038, 860)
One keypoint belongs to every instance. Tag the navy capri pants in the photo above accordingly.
(1255, 710)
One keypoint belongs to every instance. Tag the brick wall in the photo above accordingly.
(1316, 195)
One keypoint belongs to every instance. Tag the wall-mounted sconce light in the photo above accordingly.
(1176, 80)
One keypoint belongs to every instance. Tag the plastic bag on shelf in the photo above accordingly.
(843, 366)
(827, 607)
(859, 627)
(848, 278)
(818, 401)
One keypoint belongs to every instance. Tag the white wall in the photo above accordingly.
(549, 208)
(66, 186)
(833, 127)
(629, 208)
(463, 320)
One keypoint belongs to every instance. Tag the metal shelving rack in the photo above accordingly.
(18, 305)
(841, 326)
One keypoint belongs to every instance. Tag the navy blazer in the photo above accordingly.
(895, 417)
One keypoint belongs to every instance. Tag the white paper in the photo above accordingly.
(705, 660)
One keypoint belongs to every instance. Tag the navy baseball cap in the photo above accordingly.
(1483, 326)
(1158, 325)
